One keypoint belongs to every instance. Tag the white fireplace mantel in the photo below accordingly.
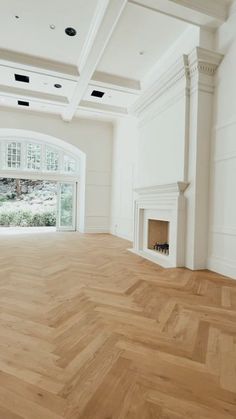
(169, 188)
(161, 202)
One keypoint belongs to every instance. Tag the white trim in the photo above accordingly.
(222, 266)
(58, 143)
(225, 231)
(74, 206)
(176, 73)
(224, 157)
(161, 202)
(209, 14)
(97, 230)
(38, 136)
(95, 48)
(224, 125)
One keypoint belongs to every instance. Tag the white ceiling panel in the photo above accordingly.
(141, 37)
(25, 27)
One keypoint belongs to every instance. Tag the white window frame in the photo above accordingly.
(13, 140)
(31, 143)
(43, 164)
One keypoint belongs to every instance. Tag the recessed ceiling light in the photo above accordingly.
(97, 93)
(52, 26)
(23, 103)
(22, 78)
(70, 31)
(58, 86)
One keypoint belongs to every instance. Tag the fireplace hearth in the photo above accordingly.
(158, 236)
(159, 224)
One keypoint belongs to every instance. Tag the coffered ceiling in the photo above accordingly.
(100, 69)
(37, 28)
(138, 42)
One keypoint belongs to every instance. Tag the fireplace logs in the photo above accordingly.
(162, 248)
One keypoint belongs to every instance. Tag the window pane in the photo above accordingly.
(66, 203)
(13, 155)
(33, 156)
(69, 164)
(52, 159)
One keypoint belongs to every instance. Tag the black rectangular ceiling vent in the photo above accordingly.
(97, 93)
(23, 103)
(23, 79)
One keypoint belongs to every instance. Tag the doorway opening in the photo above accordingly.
(37, 204)
(29, 155)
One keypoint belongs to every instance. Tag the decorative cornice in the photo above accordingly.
(204, 61)
(200, 62)
(216, 8)
(176, 73)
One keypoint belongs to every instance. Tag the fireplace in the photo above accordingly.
(159, 224)
(158, 236)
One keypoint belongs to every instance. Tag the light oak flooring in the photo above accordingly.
(90, 331)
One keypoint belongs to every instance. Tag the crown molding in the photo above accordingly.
(204, 61)
(203, 65)
(189, 68)
(174, 74)
(203, 13)
(215, 8)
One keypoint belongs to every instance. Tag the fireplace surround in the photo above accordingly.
(160, 217)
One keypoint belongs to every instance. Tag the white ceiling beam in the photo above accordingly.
(103, 108)
(9, 57)
(123, 84)
(29, 93)
(100, 38)
(204, 13)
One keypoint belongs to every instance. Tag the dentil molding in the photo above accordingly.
(204, 61)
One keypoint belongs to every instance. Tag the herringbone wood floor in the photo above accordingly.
(91, 331)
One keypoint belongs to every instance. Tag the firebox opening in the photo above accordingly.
(158, 236)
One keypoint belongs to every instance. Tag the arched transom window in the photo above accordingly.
(30, 155)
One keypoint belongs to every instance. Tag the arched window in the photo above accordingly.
(32, 156)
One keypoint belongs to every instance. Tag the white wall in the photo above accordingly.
(95, 139)
(123, 179)
(161, 146)
(153, 152)
(222, 234)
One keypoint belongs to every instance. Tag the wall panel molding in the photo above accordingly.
(223, 266)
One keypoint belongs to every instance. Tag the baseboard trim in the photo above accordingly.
(222, 267)
(94, 230)
(121, 236)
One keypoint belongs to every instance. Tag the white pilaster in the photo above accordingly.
(202, 67)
